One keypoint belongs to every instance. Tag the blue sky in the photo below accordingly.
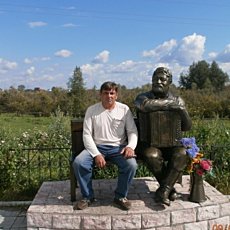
(42, 42)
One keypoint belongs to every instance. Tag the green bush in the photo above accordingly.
(213, 137)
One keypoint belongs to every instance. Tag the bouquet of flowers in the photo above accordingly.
(197, 163)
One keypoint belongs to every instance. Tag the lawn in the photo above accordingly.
(19, 124)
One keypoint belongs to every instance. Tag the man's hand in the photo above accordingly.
(128, 152)
(100, 161)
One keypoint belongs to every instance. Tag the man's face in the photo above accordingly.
(160, 84)
(108, 98)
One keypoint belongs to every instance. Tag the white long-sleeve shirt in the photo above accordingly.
(105, 127)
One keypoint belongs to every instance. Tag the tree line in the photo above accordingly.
(205, 89)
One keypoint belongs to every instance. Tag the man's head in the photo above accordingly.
(161, 80)
(108, 94)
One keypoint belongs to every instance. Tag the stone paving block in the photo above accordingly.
(208, 212)
(155, 220)
(96, 222)
(39, 220)
(223, 221)
(203, 225)
(63, 221)
(126, 222)
(183, 216)
(225, 209)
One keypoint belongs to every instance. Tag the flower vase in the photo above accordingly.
(197, 193)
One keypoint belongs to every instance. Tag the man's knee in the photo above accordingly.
(76, 163)
(132, 164)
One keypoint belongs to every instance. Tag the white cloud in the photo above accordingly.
(45, 58)
(37, 24)
(89, 69)
(27, 61)
(69, 25)
(71, 8)
(125, 66)
(225, 67)
(189, 50)
(102, 57)
(212, 55)
(6, 65)
(186, 51)
(30, 71)
(161, 50)
(63, 53)
(35, 59)
(224, 56)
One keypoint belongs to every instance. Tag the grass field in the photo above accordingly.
(18, 124)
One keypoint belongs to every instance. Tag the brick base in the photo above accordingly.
(52, 208)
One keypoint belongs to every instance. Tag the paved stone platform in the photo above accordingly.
(52, 208)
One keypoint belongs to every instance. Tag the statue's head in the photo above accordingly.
(161, 79)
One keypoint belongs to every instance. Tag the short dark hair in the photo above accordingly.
(164, 71)
(108, 85)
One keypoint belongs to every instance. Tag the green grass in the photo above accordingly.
(18, 124)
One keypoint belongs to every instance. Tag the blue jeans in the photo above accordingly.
(83, 168)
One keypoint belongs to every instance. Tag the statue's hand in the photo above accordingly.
(177, 104)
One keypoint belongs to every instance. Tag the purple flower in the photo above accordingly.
(187, 142)
(190, 144)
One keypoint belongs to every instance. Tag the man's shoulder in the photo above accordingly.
(121, 105)
(94, 106)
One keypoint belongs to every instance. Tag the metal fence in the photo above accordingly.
(35, 165)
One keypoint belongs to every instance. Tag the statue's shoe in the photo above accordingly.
(162, 195)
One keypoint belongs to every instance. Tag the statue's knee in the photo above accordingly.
(152, 153)
(180, 159)
(180, 153)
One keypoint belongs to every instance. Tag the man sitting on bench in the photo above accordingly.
(109, 133)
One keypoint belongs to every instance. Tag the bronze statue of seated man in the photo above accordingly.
(162, 117)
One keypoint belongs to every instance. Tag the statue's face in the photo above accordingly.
(160, 84)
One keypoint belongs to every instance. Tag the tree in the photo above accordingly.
(202, 75)
(21, 87)
(77, 93)
(217, 77)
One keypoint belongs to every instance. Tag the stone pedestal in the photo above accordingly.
(52, 208)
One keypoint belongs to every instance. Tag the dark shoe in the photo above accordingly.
(83, 204)
(162, 195)
(122, 203)
(173, 195)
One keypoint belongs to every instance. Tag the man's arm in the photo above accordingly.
(89, 141)
(132, 136)
(88, 135)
